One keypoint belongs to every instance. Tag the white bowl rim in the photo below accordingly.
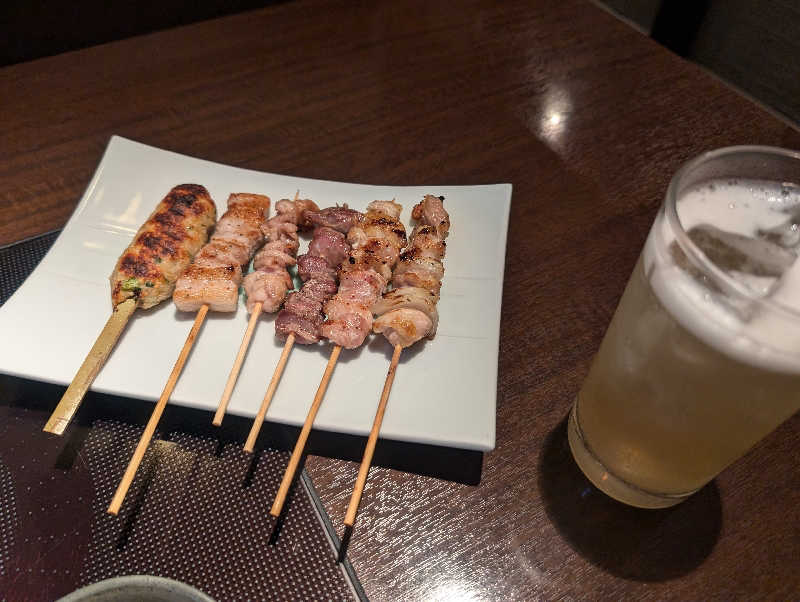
(137, 581)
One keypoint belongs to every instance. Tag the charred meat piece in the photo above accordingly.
(430, 211)
(340, 219)
(403, 327)
(164, 246)
(408, 312)
(376, 241)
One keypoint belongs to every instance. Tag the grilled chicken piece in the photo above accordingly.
(427, 242)
(217, 287)
(273, 257)
(430, 211)
(380, 222)
(366, 258)
(403, 327)
(408, 297)
(389, 208)
(305, 331)
(408, 312)
(361, 286)
(299, 207)
(214, 277)
(420, 278)
(302, 313)
(414, 260)
(242, 224)
(220, 252)
(340, 219)
(405, 313)
(376, 241)
(311, 266)
(281, 233)
(329, 245)
(348, 323)
(268, 288)
(270, 281)
(164, 246)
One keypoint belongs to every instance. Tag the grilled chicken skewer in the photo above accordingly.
(301, 318)
(376, 244)
(407, 313)
(144, 276)
(210, 282)
(266, 286)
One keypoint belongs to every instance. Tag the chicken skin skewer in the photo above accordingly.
(407, 313)
(376, 246)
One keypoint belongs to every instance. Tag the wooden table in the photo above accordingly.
(588, 119)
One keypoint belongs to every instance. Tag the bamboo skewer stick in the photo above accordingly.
(273, 384)
(237, 365)
(150, 429)
(288, 476)
(95, 359)
(361, 480)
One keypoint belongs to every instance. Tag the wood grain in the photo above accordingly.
(588, 119)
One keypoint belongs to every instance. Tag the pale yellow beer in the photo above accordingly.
(702, 357)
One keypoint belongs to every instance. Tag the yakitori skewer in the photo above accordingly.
(210, 282)
(376, 244)
(407, 313)
(266, 286)
(301, 317)
(143, 277)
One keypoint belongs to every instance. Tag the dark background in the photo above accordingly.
(36, 28)
(751, 44)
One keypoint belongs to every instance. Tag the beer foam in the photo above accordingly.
(740, 326)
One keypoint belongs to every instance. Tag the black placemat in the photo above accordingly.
(198, 510)
(19, 259)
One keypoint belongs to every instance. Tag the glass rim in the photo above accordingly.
(692, 251)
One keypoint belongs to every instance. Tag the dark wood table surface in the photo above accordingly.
(587, 118)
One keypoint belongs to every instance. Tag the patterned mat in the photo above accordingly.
(198, 510)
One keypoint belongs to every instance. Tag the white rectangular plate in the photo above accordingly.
(445, 389)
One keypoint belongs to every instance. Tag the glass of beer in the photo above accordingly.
(702, 357)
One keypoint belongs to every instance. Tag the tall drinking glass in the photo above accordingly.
(702, 356)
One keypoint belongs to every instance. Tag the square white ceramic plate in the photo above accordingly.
(445, 389)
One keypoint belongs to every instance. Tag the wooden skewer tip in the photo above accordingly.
(250, 444)
(150, 429)
(366, 461)
(288, 476)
